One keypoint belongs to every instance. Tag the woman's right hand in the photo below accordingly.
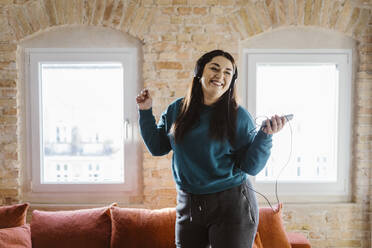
(144, 100)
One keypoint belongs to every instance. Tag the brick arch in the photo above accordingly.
(345, 16)
(35, 16)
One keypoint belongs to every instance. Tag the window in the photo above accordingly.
(80, 117)
(315, 86)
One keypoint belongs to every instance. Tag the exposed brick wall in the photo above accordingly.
(175, 33)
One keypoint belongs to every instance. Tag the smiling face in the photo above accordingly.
(216, 78)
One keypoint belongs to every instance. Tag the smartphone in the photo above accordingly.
(287, 117)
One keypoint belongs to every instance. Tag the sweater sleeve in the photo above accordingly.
(253, 148)
(154, 136)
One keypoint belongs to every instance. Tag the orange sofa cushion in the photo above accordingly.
(16, 237)
(13, 216)
(271, 229)
(257, 241)
(133, 228)
(298, 240)
(73, 229)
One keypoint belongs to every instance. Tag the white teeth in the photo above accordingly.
(216, 83)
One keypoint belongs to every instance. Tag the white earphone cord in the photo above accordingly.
(280, 172)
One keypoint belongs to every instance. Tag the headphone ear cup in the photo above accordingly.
(235, 76)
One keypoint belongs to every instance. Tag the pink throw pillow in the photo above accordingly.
(133, 228)
(13, 215)
(79, 228)
(16, 237)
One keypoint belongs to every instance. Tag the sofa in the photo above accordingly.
(112, 226)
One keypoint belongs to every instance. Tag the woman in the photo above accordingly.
(214, 145)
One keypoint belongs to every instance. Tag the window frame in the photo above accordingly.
(294, 191)
(128, 58)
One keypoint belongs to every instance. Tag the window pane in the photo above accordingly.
(310, 92)
(82, 123)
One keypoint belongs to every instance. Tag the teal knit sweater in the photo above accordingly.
(201, 165)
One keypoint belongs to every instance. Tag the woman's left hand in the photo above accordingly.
(277, 124)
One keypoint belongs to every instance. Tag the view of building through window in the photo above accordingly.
(82, 123)
(310, 92)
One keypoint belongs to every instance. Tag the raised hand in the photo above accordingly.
(144, 100)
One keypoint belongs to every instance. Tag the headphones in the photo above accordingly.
(198, 71)
(235, 76)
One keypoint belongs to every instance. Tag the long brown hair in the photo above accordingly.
(223, 120)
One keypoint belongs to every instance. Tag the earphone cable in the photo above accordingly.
(286, 164)
(281, 170)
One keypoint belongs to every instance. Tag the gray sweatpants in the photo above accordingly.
(224, 219)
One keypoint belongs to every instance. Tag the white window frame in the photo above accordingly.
(128, 58)
(294, 191)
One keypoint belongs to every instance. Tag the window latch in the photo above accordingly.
(126, 127)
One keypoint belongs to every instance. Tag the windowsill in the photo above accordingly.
(305, 199)
(328, 204)
(76, 199)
